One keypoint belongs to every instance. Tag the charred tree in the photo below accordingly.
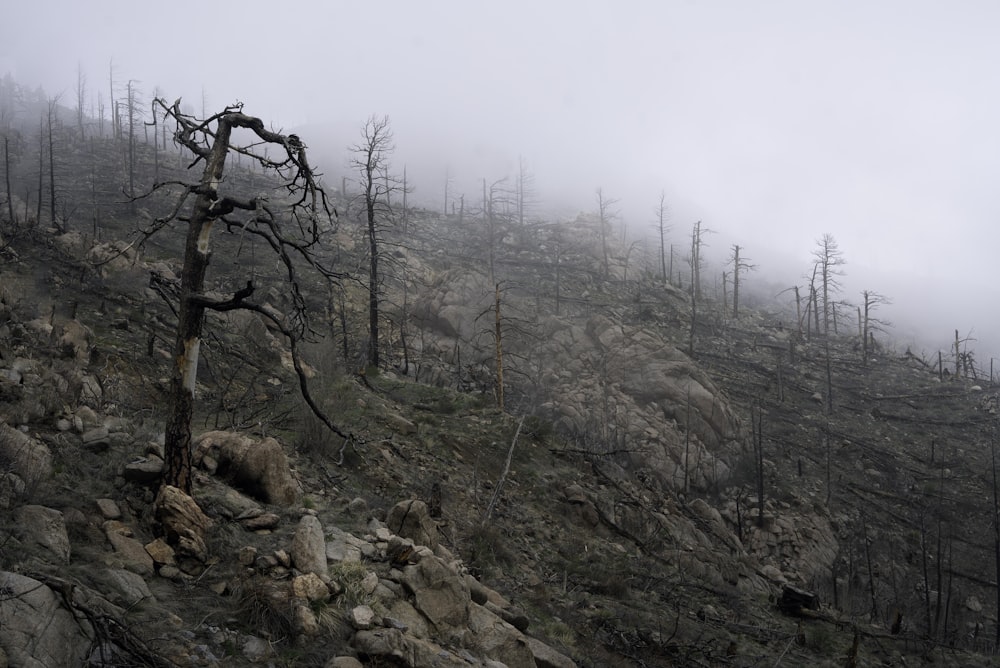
(292, 234)
(371, 159)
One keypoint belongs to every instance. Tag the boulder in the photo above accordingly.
(144, 471)
(440, 593)
(131, 554)
(75, 339)
(491, 636)
(36, 631)
(393, 647)
(259, 468)
(310, 588)
(129, 588)
(185, 526)
(308, 550)
(412, 519)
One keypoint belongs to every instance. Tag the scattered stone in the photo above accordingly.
(185, 525)
(144, 471)
(161, 552)
(255, 650)
(130, 587)
(96, 440)
(247, 555)
(438, 592)
(411, 519)
(362, 617)
(344, 662)
(132, 553)
(309, 546)
(310, 587)
(369, 582)
(109, 509)
(261, 522)
(357, 507)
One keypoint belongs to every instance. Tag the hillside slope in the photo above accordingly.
(648, 496)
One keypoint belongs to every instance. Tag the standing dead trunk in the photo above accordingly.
(191, 315)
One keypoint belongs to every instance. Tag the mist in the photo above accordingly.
(772, 122)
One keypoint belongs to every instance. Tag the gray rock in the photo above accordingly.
(412, 519)
(259, 468)
(130, 587)
(36, 631)
(131, 553)
(439, 593)
(308, 550)
(144, 471)
(30, 459)
(44, 527)
(546, 657)
(362, 617)
(344, 662)
(109, 509)
(255, 650)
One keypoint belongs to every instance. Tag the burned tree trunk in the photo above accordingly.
(191, 316)
(210, 141)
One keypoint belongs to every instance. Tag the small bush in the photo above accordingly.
(350, 574)
(266, 606)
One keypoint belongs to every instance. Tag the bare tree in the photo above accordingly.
(524, 190)
(6, 173)
(81, 94)
(495, 199)
(371, 159)
(605, 214)
(867, 323)
(293, 236)
(660, 211)
(694, 259)
(741, 265)
(52, 118)
(829, 259)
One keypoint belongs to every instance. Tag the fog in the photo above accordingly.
(772, 122)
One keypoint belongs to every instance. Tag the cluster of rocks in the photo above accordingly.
(393, 594)
(794, 543)
(409, 603)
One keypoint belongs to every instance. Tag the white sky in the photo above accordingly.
(772, 121)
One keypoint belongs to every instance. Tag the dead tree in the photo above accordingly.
(371, 159)
(868, 324)
(292, 233)
(741, 265)
(660, 211)
(605, 214)
(829, 259)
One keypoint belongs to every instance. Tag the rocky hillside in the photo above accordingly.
(652, 493)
